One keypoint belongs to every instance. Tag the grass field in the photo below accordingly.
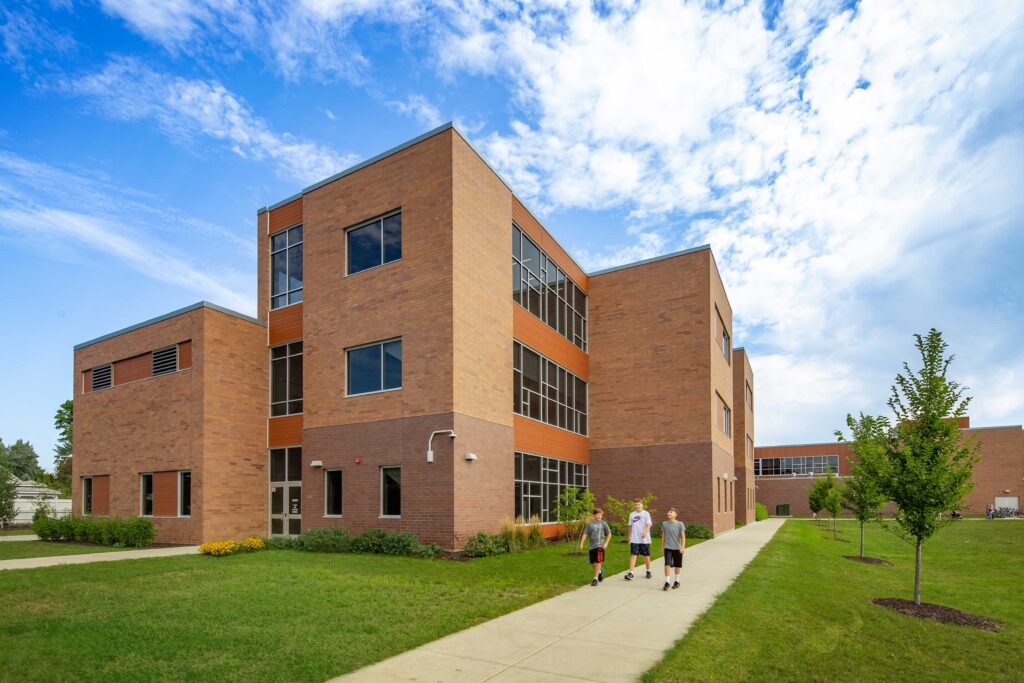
(800, 612)
(276, 615)
(16, 532)
(16, 550)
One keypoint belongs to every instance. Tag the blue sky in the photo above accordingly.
(856, 167)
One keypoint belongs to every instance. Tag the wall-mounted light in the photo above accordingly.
(470, 457)
(317, 463)
(430, 439)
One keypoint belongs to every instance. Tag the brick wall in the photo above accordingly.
(743, 415)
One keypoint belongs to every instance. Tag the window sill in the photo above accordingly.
(332, 516)
(275, 417)
(371, 393)
(389, 516)
(279, 308)
(366, 270)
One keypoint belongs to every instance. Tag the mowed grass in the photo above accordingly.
(16, 550)
(16, 532)
(800, 612)
(270, 616)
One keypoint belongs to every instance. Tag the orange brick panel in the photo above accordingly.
(285, 324)
(165, 494)
(540, 438)
(529, 329)
(133, 369)
(101, 495)
(286, 216)
(284, 431)
(185, 354)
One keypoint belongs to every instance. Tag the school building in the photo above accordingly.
(425, 357)
(782, 474)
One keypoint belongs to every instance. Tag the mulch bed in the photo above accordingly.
(946, 615)
(868, 560)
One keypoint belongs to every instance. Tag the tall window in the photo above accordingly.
(748, 394)
(540, 286)
(147, 495)
(799, 465)
(724, 415)
(390, 491)
(375, 367)
(286, 379)
(750, 447)
(547, 392)
(332, 493)
(86, 495)
(286, 267)
(184, 494)
(375, 243)
(540, 481)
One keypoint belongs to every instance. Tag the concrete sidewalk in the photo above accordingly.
(589, 633)
(19, 537)
(34, 562)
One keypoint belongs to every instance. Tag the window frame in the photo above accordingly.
(562, 392)
(288, 292)
(142, 494)
(181, 475)
(381, 514)
(341, 490)
(550, 284)
(87, 485)
(726, 417)
(288, 355)
(379, 219)
(573, 471)
(382, 390)
(748, 394)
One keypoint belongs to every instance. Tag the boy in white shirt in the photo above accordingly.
(639, 538)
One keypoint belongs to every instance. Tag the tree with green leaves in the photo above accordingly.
(816, 495)
(863, 491)
(63, 421)
(832, 499)
(928, 462)
(22, 459)
(8, 493)
(572, 509)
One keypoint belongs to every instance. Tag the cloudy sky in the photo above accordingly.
(856, 167)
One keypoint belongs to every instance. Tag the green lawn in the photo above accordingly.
(16, 550)
(275, 615)
(16, 532)
(802, 612)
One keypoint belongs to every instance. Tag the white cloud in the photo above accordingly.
(420, 108)
(185, 109)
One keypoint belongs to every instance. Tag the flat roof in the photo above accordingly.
(833, 443)
(645, 261)
(166, 316)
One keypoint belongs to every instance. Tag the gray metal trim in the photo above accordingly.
(166, 316)
(651, 260)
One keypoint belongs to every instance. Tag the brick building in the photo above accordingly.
(410, 386)
(784, 473)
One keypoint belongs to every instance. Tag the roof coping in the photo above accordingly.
(166, 316)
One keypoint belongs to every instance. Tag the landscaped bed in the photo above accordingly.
(16, 550)
(802, 612)
(271, 615)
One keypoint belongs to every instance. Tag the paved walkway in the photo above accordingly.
(19, 537)
(33, 562)
(587, 634)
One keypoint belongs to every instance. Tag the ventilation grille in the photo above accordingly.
(165, 360)
(101, 377)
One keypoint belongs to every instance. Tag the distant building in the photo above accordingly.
(30, 494)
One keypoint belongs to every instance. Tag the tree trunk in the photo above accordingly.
(862, 538)
(917, 575)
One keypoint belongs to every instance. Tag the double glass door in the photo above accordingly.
(285, 491)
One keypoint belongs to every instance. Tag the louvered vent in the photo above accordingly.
(165, 360)
(101, 377)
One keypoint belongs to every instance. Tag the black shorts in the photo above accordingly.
(673, 558)
(596, 555)
(640, 549)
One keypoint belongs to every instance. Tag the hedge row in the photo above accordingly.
(120, 532)
(376, 541)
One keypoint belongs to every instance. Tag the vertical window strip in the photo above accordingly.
(555, 395)
(540, 481)
(543, 288)
(286, 267)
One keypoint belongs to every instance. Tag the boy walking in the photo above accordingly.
(600, 535)
(639, 538)
(673, 539)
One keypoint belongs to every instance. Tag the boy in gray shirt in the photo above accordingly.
(600, 535)
(673, 538)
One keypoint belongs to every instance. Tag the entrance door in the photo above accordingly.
(286, 491)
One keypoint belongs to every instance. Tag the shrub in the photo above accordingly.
(572, 508)
(514, 534)
(760, 512)
(219, 548)
(429, 550)
(285, 543)
(699, 531)
(535, 537)
(325, 541)
(253, 543)
(121, 532)
(483, 544)
(385, 543)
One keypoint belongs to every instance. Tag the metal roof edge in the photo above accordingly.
(663, 257)
(167, 316)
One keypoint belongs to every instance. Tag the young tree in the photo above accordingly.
(816, 495)
(863, 491)
(928, 463)
(63, 421)
(8, 493)
(831, 499)
(22, 459)
(572, 509)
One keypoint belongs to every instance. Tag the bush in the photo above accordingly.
(699, 531)
(219, 548)
(120, 532)
(484, 545)
(325, 541)
(760, 512)
(513, 534)
(253, 543)
(383, 542)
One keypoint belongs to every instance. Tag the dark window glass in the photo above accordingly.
(517, 242)
(295, 378)
(295, 267)
(393, 364)
(364, 370)
(286, 379)
(517, 283)
(279, 273)
(294, 464)
(286, 267)
(531, 468)
(364, 248)
(333, 495)
(531, 255)
(87, 496)
(185, 494)
(531, 370)
(147, 495)
(393, 238)
(277, 464)
(391, 491)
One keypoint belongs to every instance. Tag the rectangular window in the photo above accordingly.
(86, 495)
(547, 392)
(750, 447)
(375, 367)
(390, 491)
(375, 243)
(539, 481)
(147, 495)
(722, 335)
(102, 377)
(718, 493)
(332, 493)
(748, 394)
(286, 267)
(165, 360)
(185, 494)
(726, 417)
(796, 466)
(286, 464)
(540, 286)
(286, 379)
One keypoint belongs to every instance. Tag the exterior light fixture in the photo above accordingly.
(317, 463)
(430, 439)
(470, 457)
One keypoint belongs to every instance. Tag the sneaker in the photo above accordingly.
(629, 576)
(594, 582)
(665, 587)
(648, 575)
(674, 585)
(600, 577)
